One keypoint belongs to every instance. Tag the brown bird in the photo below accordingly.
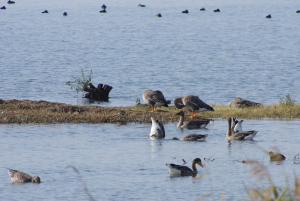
(248, 135)
(21, 177)
(276, 156)
(183, 170)
(155, 98)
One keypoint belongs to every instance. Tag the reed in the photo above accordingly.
(26, 112)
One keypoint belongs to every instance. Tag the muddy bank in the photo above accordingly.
(26, 111)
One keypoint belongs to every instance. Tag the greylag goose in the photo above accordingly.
(192, 137)
(183, 170)
(191, 124)
(193, 103)
(21, 177)
(157, 129)
(248, 135)
(276, 156)
(238, 127)
(155, 98)
(234, 123)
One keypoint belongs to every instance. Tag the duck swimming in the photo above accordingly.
(192, 137)
(155, 99)
(102, 11)
(157, 129)
(217, 10)
(158, 15)
(276, 156)
(45, 11)
(202, 9)
(180, 170)
(3, 8)
(65, 14)
(140, 5)
(268, 16)
(185, 11)
(193, 103)
(191, 124)
(10, 2)
(21, 177)
(248, 135)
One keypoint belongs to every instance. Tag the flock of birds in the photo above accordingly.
(194, 104)
(140, 5)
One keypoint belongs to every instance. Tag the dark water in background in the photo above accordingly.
(217, 56)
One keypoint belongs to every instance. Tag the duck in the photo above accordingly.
(248, 135)
(217, 10)
(140, 5)
(202, 9)
(183, 170)
(21, 177)
(157, 129)
(192, 137)
(191, 124)
(193, 103)
(268, 16)
(276, 156)
(102, 11)
(155, 98)
(103, 6)
(185, 11)
(65, 14)
(298, 11)
(3, 8)
(10, 2)
(45, 11)
(158, 15)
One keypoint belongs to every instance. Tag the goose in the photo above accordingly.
(192, 137)
(185, 11)
(140, 5)
(45, 11)
(183, 170)
(193, 103)
(248, 135)
(191, 124)
(103, 6)
(202, 9)
(234, 123)
(65, 14)
(21, 177)
(157, 130)
(298, 11)
(238, 127)
(155, 98)
(276, 156)
(217, 10)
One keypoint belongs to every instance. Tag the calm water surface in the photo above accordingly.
(120, 162)
(217, 56)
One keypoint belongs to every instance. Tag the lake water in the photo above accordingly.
(121, 163)
(217, 56)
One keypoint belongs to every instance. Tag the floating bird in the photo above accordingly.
(193, 103)
(103, 6)
(192, 137)
(21, 177)
(45, 11)
(268, 16)
(3, 8)
(202, 9)
(65, 14)
(183, 170)
(157, 129)
(140, 5)
(298, 11)
(158, 15)
(191, 124)
(102, 11)
(185, 11)
(217, 10)
(10, 2)
(248, 135)
(276, 156)
(155, 99)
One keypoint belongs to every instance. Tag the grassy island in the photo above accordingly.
(28, 112)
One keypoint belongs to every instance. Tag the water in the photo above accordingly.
(121, 163)
(217, 56)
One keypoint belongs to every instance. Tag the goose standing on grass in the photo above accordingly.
(248, 135)
(183, 170)
(21, 177)
(155, 99)
(192, 137)
(157, 130)
(276, 156)
(191, 124)
(193, 103)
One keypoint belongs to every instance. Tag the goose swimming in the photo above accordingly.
(21, 177)
(191, 124)
(192, 137)
(183, 170)
(155, 99)
(193, 103)
(157, 129)
(248, 135)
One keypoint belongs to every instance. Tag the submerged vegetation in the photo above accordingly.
(16, 111)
